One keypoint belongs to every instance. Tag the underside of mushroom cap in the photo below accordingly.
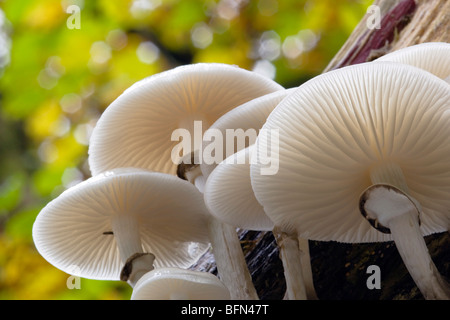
(74, 231)
(175, 283)
(239, 122)
(433, 57)
(136, 129)
(229, 195)
(337, 127)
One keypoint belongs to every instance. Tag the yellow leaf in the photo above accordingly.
(43, 122)
(45, 15)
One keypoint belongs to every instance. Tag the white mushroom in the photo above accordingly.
(179, 284)
(433, 57)
(229, 197)
(99, 224)
(391, 210)
(237, 129)
(343, 131)
(141, 127)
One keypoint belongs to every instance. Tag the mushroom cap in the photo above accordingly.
(229, 195)
(433, 57)
(136, 129)
(335, 128)
(250, 115)
(173, 283)
(74, 229)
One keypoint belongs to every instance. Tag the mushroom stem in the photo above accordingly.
(136, 262)
(230, 261)
(391, 206)
(225, 243)
(415, 255)
(126, 233)
(305, 260)
(136, 266)
(290, 256)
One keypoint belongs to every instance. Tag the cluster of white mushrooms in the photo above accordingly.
(363, 155)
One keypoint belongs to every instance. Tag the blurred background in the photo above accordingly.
(62, 62)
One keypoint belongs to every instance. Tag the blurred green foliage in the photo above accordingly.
(55, 81)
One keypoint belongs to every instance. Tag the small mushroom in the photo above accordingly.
(136, 130)
(179, 284)
(113, 225)
(229, 197)
(433, 57)
(348, 129)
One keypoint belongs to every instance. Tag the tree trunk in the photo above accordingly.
(403, 23)
(341, 270)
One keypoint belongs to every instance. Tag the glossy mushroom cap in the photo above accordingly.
(136, 129)
(337, 129)
(179, 284)
(229, 195)
(433, 57)
(154, 212)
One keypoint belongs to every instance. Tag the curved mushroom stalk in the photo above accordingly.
(392, 211)
(414, 252)
(291, 259)
(230, 261)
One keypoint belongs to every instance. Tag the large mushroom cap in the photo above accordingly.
(179, 284)
(433, 57)
(242, 122)
(75, 229)
(136, 129)
(340, 125)
(229, 195)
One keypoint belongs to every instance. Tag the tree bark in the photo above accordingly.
(403, 24)
(341, 270)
